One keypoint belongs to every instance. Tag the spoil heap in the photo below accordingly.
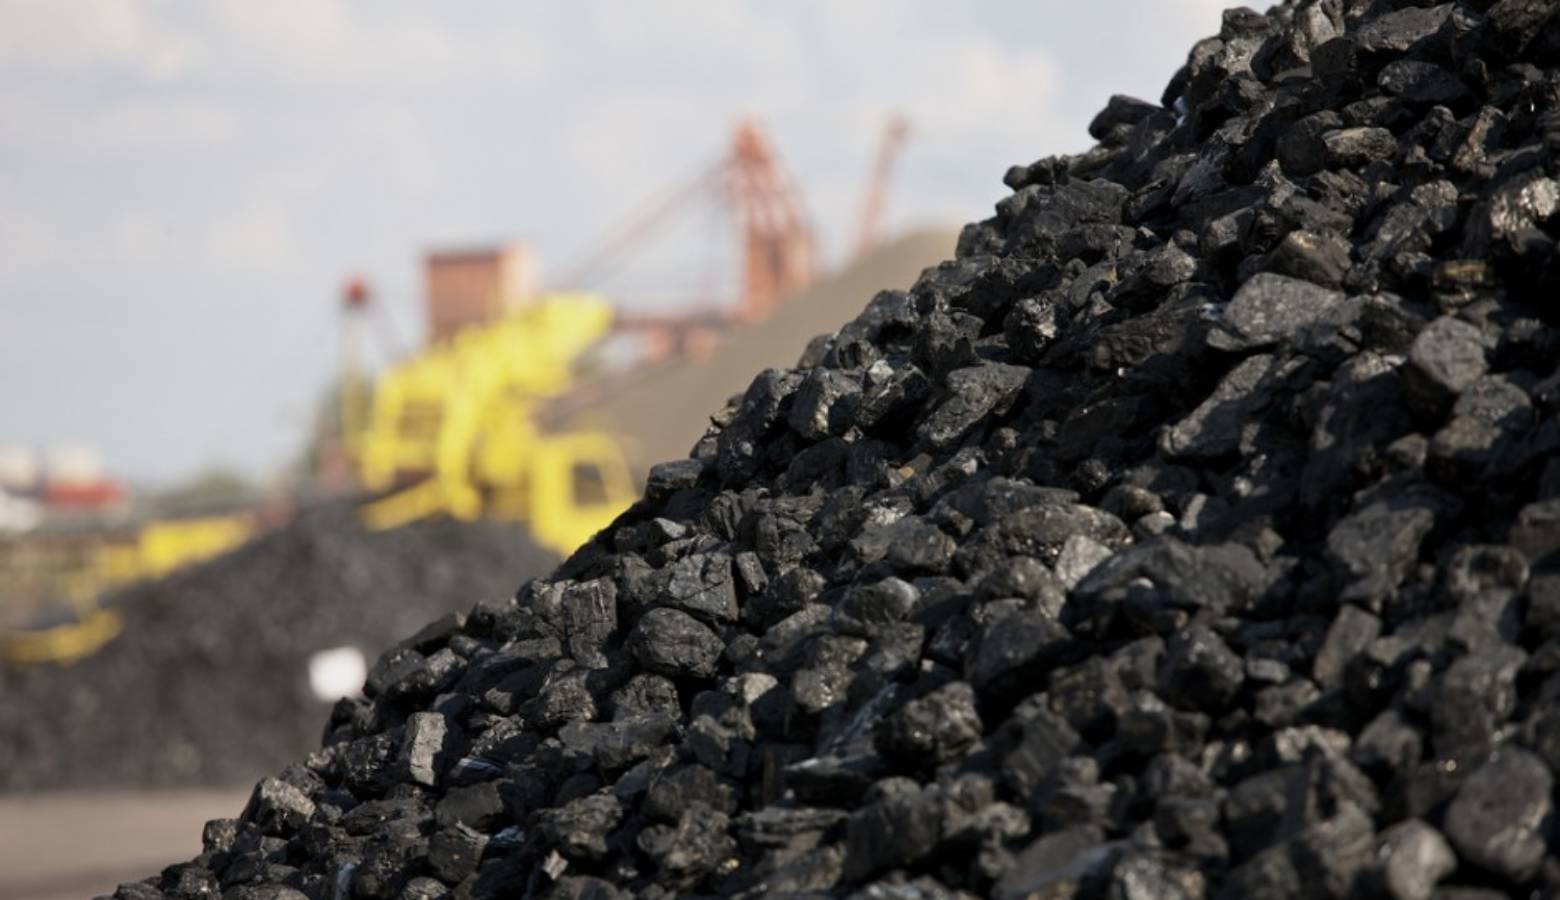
(209, 682)
(1192, 533)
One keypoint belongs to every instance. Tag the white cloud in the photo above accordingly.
(89, 127)
(259, 238)
(31, 240)
(139, 239)
(89, 34)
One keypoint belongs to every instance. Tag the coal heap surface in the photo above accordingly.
(1192, 533)
(208, 683)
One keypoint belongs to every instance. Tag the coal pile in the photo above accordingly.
(1192, 533)
(209, 683)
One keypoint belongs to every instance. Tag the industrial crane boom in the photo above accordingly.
(876, 199)
(776, 244)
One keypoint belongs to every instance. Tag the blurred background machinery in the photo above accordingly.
(534, 401)
(454, 431)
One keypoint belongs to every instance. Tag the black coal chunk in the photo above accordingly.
(278, 808)
(670, 642)
(1201, 670)
(936, 728)
(973, 394)
(1497, 819)
(1271, 308)
(1446, 358)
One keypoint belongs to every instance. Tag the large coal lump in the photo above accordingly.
(1195, 532)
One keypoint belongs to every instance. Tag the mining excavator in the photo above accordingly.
(454, 430)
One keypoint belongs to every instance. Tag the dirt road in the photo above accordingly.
(69, 846)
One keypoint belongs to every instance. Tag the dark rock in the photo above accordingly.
(1044, 740)
(696, 848)
(590, 618)
(1421, 82)
(1031, 326)
(477, 805)
(1473, 698)
(1017, 648)
(453, 853)
(889, 391)
(1120, 113)
(1079, 556)
(893, 831)
(1355, 147)
(1400, 30)
(1270, 308)
(1375, 547)
(701, 584)
(1388, 746)
(671, 642)
(1200, 670)
(1351, 632)
(934, 729)
(908, 543)
(1324, 860)
(1158, 583)
(1320, 259)
(277, 808)
(423, 748)
(1412, 859)
(676, 792)
(1497, 817)
(1536, 531)
(973, 394)
(823, 404)
(667, 478)
(579, 829)
(1446, 358)
(1056, 865)
(1215, 427)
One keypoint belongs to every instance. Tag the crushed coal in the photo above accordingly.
(1195, 532)
(209, 682)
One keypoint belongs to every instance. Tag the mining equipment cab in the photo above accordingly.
(454, 430)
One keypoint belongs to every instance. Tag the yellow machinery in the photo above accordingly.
(161, 546)
(454, 430)
(59, 580)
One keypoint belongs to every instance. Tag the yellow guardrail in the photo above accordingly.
(62, 644)
(172, 544)
(158, 548)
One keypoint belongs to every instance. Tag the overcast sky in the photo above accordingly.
(183, 185)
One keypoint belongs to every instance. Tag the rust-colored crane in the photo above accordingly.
(776, 251)
(777, 247)
(895, 130)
